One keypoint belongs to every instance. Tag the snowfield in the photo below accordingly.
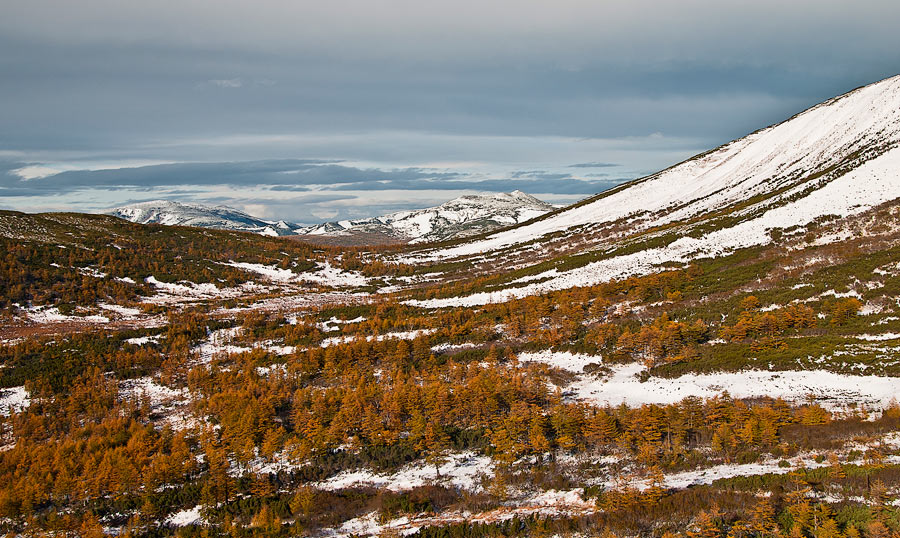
(832, 391)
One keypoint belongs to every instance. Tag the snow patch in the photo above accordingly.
(878, 337)
(462, 470)
(183, 518)
(327, 275)
(13, 399)
(403, 335)
(142, 340)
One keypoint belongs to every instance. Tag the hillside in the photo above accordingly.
(837, 159)
(709, 351)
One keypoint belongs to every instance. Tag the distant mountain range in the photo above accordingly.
(460, 217)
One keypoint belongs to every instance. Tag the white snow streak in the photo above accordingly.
(833, 391)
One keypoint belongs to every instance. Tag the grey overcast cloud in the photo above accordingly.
(311, 111)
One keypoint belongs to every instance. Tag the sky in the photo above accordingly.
(312, 111)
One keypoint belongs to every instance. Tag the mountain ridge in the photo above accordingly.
(457, 218)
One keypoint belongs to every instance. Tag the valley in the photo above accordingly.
(709, 351)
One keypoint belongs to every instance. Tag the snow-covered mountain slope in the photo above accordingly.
(829, 138)
(461, 217)
(179, 214)
(838, 158)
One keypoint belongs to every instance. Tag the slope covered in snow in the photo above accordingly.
(839, 158)
(460, 217)
(829, 138)
(172, 213)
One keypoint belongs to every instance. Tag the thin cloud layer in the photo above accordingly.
(399, 96)
(283, 186)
